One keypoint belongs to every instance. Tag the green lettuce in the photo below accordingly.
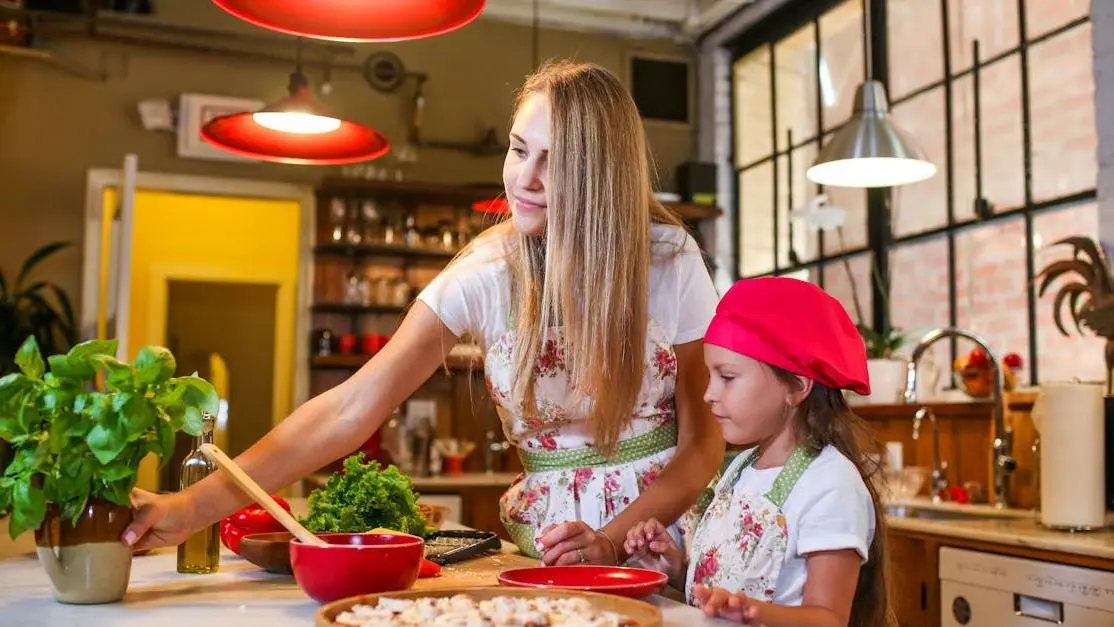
(364, 497)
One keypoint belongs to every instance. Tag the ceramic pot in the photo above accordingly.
(887, 381)
(86, 561)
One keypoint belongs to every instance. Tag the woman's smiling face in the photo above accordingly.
(525, 176)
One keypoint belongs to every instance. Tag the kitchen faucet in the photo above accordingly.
(1003, 462)
(939, 481)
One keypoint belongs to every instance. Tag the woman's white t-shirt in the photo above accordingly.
(473, 294)
(829, 509)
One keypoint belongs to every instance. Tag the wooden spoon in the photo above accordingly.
(255, 491)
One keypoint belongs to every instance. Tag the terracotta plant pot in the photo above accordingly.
(86, 561)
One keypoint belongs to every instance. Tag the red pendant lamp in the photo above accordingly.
(295, 130)
(357, 20)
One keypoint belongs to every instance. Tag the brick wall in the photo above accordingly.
(1068, 75)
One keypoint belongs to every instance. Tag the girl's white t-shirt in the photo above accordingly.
(829, 509)
(473, 293)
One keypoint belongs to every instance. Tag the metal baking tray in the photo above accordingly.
(447, 547)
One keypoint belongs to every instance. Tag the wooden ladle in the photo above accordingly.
(255, 491)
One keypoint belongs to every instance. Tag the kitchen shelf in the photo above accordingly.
(382, 250)
(408, 191)
(345, 308)
(456, 363)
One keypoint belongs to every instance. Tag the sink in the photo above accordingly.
(955, 512)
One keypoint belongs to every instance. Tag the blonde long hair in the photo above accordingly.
(596, 283)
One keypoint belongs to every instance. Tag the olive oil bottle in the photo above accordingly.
(199, 553)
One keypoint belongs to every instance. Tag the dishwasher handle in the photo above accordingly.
(1038, 608)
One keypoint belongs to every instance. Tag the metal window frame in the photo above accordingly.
(880, 237)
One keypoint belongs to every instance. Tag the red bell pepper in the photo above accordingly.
(249, 520)
(429, 569)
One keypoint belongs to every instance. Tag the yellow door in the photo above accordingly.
(206, 239)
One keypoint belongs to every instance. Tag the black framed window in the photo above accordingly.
(1013, 136)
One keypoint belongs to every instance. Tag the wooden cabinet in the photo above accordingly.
(912, 576)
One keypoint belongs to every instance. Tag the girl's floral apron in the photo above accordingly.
(565, 478)
(740, 541)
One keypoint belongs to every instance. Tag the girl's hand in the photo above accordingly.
(719, 602)
(650, 539)
(574, 543)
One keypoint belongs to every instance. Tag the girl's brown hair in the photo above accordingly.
(825, 419)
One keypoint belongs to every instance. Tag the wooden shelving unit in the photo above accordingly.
(357, 310)
(360, 251)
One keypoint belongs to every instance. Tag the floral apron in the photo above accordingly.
(566, 478)
(740, 541)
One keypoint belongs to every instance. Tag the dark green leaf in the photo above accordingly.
(29, 418)
(28, 507)
(154, 364)
(34, 260)
(5, 498)
(199, 394)
(107, 440)
(10, 427)
(29, 360)
(164, 444)
(90, 348)
(169, 395)
(97, 406)
(194, 421)
(115, 472)
(57, 399)
(138, 416)
(11, 385)
(120, 492)
(120, 375)
(69, 367)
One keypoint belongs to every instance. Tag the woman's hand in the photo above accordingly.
(160, 520)
(651, 539)
(575, 543)
(737, 607)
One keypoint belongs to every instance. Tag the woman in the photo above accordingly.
(590, 303)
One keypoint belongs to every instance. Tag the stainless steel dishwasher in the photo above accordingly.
(986, 590)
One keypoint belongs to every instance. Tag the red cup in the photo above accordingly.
(347, 343)
(369, 345)
(353, 564)
(453, 466)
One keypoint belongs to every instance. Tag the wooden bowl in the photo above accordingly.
(269, 551)
(640, 613)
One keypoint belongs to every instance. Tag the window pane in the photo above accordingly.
(1079, 354)
(1042, 16)
(756, 220)
(753, 113)
(795, 60)
(796, 233)
(923, 206)
(990, 286)
(838, 282)
(1003, 164)
(853, 202)
(992, 22)
(1062, 92)
(919, 298)
(915, 44)
(841, 62)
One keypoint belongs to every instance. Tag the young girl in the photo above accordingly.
(590, 303)
(791, 535)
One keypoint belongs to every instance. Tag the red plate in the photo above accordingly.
(618, 580)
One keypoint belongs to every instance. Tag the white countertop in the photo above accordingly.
(239, 595)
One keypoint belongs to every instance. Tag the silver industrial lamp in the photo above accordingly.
(869, 151)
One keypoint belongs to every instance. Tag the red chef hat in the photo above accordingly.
(794, 325)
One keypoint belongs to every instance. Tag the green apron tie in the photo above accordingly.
(630, 450)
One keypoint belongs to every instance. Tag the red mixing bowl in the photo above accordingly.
(356, 563)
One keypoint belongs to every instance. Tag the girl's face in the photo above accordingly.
(524, 170)
(748, 400)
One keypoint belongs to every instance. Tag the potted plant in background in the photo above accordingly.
(26, 310)
(79, 424)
